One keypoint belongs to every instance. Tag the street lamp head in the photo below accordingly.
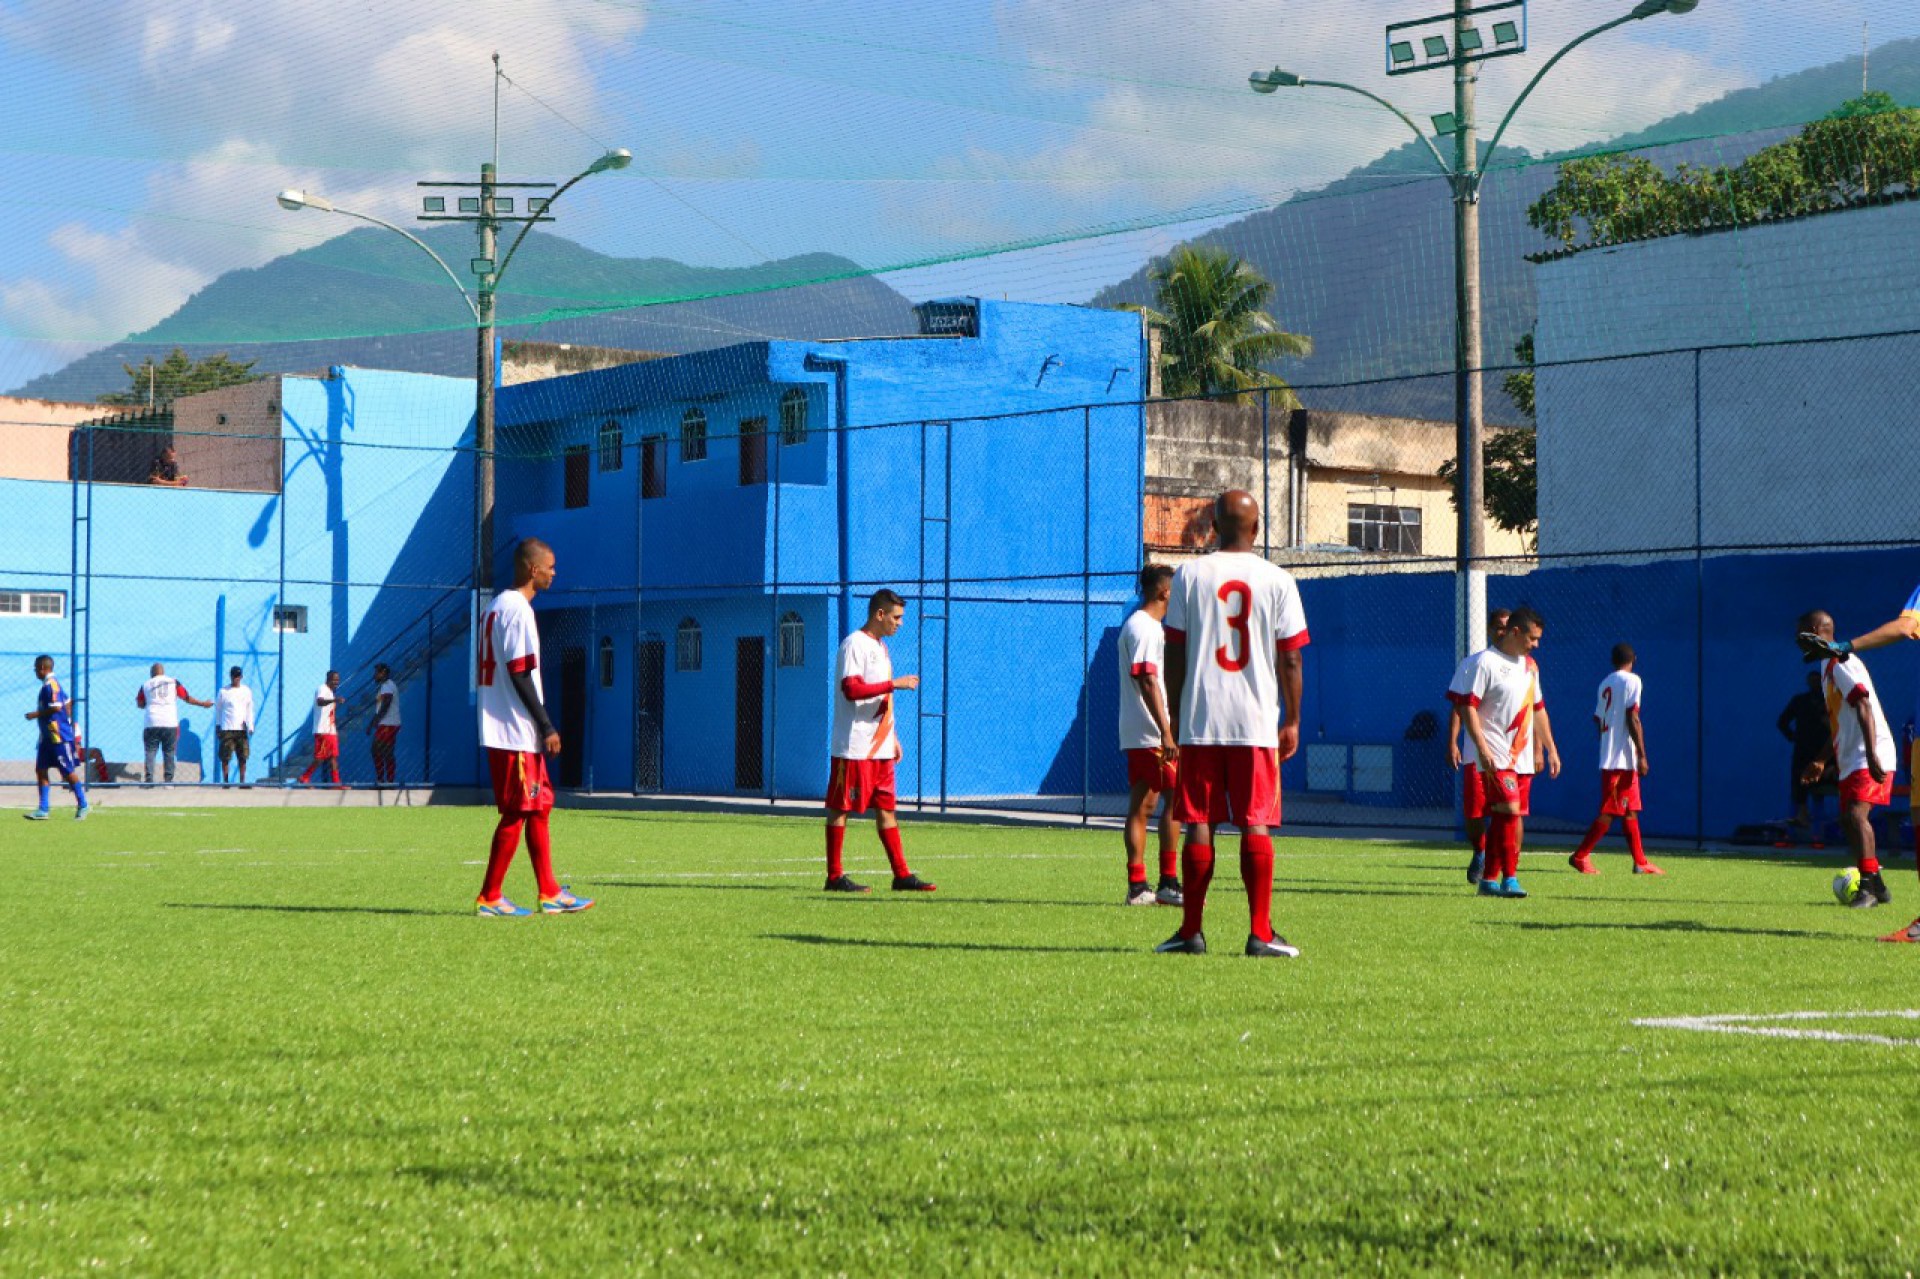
(1654, 8)
(294, 198)
(618, 158)
(1268, 81)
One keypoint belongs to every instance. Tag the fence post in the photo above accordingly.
(280, 631)
(771, 439)
(426, 745)
(1266, 488)
(1086, 613)
(1699, 621)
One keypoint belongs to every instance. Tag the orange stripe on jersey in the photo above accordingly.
(883, 730)
(1522, 726)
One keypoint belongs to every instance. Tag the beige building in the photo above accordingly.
(1344, 483)
(34, 436)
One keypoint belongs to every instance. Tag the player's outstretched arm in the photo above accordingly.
(1904, 627)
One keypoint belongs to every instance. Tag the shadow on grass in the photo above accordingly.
(309, 910)
(1669, 926)
(815, 939)
(805, 890)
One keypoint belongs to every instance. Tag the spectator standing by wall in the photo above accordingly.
(386, 724)
(233, 724)
(160, 697)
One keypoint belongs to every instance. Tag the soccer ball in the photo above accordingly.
(1846, 886)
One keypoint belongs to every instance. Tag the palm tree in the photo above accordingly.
(1216, 332)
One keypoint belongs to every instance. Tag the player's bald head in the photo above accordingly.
(1816, 622)
(1236, 518)
(157, 669)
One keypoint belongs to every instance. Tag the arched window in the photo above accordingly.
(612, 446)
(793, 417)
(686, 645)
(606, 661)
(793, 640)
(693, 436)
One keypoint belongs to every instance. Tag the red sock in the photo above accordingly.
(1136, 870)
(542, 849)
(1598, 831)
(308, 775)
(836, 840)
(333, 771)
(1512, 858)
(1169, 861)
(890, 840)
(506, 842)
(1633, 841)
(1197, 863)
(1869, 865)
(1256, 872)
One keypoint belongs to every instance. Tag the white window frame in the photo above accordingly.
(289, 619)
(24, 603)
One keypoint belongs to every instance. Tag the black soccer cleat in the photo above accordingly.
(1864, 899)
(1168, 893)
(1878, 887)
(1178, 945)
(1278, 948)
(911, 884)
(844, 884)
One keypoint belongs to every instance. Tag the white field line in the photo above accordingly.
(1758, 1024)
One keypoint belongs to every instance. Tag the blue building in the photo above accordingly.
(720, 518)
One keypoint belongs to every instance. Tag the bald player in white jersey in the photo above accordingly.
(1234, 631)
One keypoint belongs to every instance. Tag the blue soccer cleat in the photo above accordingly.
(500, 908)
(564, 903)
(80, 813)
(1490, 888)
(37, 815)
(1510, 887)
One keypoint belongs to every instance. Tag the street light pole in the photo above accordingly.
(484, 376)
(1464, 176)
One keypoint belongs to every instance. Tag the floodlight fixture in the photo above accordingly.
(1401, 52)
(1654, 8)
(1436, 46)
(1470, 41)
(469, 204)
(481, 266)
(1505, 33)
(1446, 124)
(433, 204)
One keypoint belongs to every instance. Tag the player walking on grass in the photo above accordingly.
(518, 737)
(1506, 719)
(1234, 628)
(1623, 762)
(1906, 626)
(866, 745)
(59, 745)
(326, 730)
(1473, 796)
(1146, 739)
(1863, 752)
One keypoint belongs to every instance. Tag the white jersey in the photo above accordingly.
(509, 641)
(392, 718)
(1458, 692)
(325, 702)
(1619, 693)
(160, 695)
(1143, 645)
(1506, 692)
(1846, 683)
(1236, 613)
(233, 709)
(863, 729)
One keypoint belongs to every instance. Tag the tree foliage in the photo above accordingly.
(1866, 150)
(1215, 331)
(1508, 475)
(177, 375)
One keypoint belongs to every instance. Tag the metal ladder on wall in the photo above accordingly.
(80, 583)
(936, 604)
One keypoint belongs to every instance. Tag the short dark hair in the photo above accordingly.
(884, 598)
(1810, 620)
(1622, 655)
(1523, 617)
(233, 672)
(523, 553)
(378, 667)
(332, 674)
(1497, 618)
(1150, 578)
(45, 659)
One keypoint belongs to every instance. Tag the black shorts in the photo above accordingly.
(234, 741)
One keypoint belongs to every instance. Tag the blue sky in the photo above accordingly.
(144, 139)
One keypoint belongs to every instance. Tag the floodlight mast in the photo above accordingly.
(1464, 176)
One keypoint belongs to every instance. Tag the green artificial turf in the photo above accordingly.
(253, 1042)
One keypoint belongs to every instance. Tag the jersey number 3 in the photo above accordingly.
(483, 673)
(1237, 625)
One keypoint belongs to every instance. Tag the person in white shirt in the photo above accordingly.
(866, 745)
(1146, 740)
(326, 730)
(518, 737)
(160, 697)
(233, 724)
(1623, 762)
(1506, 718)
(1864, 756)
(1234, 629)
(386, 724)
(1473, 796)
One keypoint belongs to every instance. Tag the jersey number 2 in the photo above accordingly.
(1237, 625)
(483, 674)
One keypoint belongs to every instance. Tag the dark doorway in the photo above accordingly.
(653, 466)
(573, 716)
(649, 714)
(753, 451)
(749, 697)
(576, 473)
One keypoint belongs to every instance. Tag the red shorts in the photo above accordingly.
(1146, 768)
(1619, 792)
(1237, 784)
(1473, 797)
(855, 785)
(385, 734)
(1859, 787)
(326, 746)
(520, 785)
(1504, 786)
